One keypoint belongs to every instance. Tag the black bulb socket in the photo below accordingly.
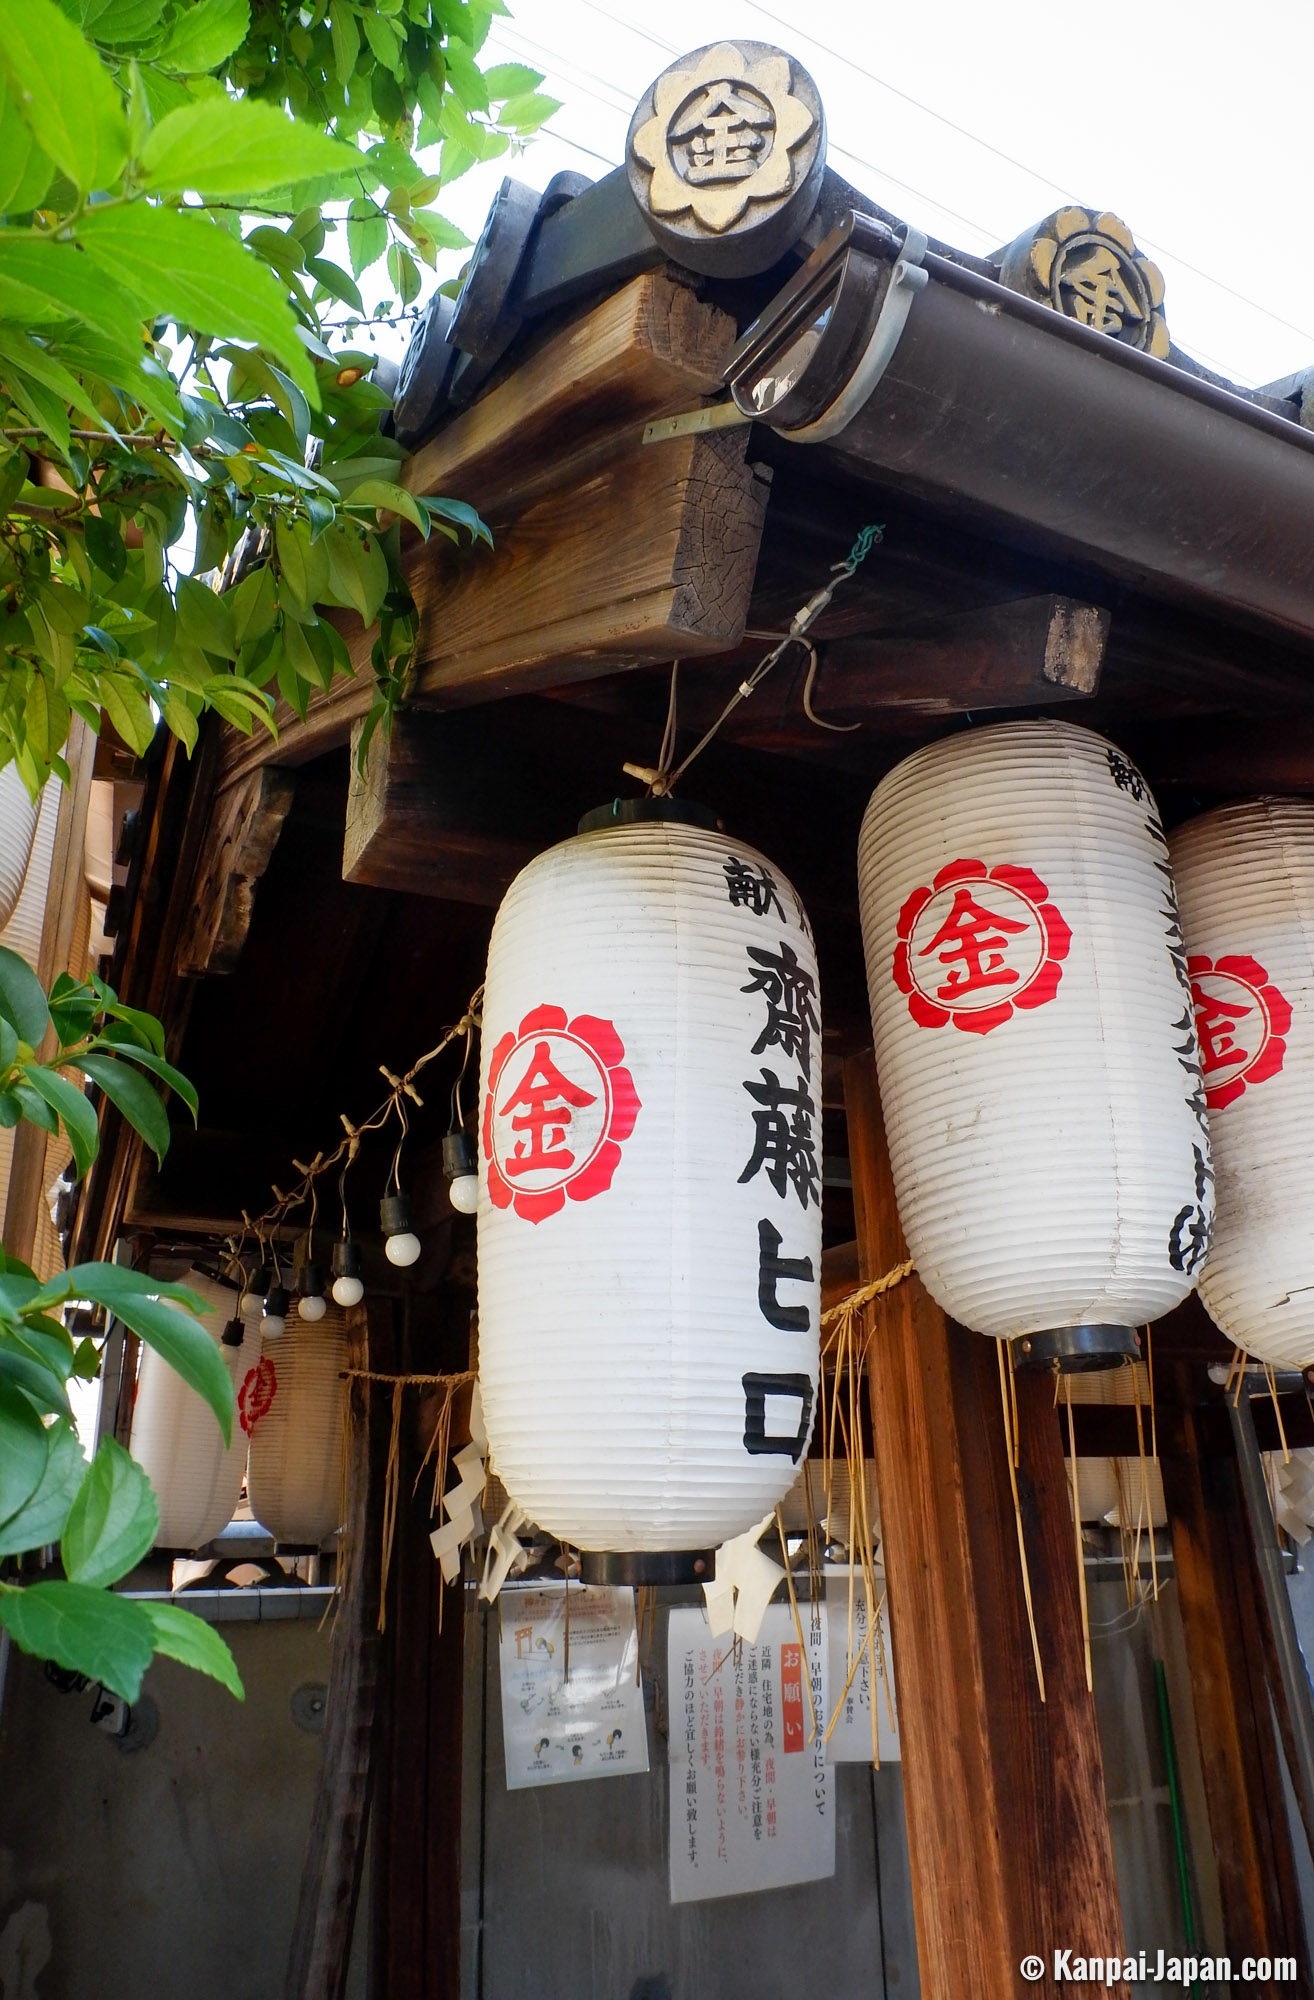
(233, 1334)
(310, 1280)
(277, 1302)
(395, 1218)
(345, 1261)
(458, 1156)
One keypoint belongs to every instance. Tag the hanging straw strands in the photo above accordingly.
(437, 1450)
(844, 1349)
(1008, 1402)
(401, 1088)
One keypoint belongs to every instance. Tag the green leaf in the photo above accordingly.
(358, 575)
(124, 701)
(222, 145)
(511, 80)
(254, 605)
(204, 619)
(526, 114)
(40, 1520)
(204, 35)
(42, 283)
(113, 1520)
(24, 1450)
(383, 38)
(142, 1304)
(77, 1116)
(462, 515)
(346, 42)
(133, 1096)
(335, 282)
(22, 1000)
(367, 235)
(64, 92)
(187, 267)
(180, 722)
(393, 499)
(185, 1637)
(25, 171)
(8, 1045)
(109, 1639)
(35, 1109)
(403, 273)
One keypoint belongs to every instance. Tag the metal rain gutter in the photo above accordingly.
(913, 370)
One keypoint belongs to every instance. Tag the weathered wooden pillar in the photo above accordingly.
(1008, 1826)
(335, 1845)
(1224, 1624)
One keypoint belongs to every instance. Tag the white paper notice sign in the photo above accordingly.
(590, 1725)
(751, 1804)
(850, 1739)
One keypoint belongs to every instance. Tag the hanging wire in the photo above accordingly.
(661, 784)
(400, 1089)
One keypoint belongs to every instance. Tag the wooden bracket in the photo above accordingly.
(245, 822)
(1030, 651)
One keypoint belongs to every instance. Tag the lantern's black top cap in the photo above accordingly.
(629, 812)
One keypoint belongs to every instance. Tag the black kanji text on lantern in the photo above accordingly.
(757, 1438)
(772, 1269)
(790, 993)
(752, 889)
(783, 1144)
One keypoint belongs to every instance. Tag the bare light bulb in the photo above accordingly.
(348, 1291)
(403, 1248)
(274, 1323)
(250, 1305)
(463, 1193)
(313, 1306)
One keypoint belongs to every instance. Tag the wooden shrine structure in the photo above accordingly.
(677, 396)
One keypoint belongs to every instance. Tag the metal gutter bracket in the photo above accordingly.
(906, 280)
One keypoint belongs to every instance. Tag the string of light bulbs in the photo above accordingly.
(263, 1293)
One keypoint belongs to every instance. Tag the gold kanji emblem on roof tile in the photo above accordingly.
(1085, 264)
(733, 134)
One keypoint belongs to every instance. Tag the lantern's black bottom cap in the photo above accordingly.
(1078, 1350)
(630, 812)
(636, 1567)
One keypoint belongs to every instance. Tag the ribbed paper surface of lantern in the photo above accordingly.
(294, 1478)
(1114, 1493)
(1033, 1028)
(1246, 879)
(177, 1441)
(18, 825)
(649, 1303)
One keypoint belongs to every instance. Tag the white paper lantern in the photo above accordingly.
(1034, 1037)
(1114, 1493)
(650, 1188)
(18, 825)
(298, 1403)
(176, 1439)
(1246, 878)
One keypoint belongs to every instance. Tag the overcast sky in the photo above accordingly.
(1192, 123)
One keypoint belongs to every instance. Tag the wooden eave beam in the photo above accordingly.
(608, 553)
(1028, 651)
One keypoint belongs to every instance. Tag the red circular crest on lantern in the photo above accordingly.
(1241, 1019)
(255, 1398)
(559, 1104)
(978, 943)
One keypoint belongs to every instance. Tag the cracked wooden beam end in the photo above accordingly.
(245, 821)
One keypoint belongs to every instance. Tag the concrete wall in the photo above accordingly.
(169, 1872)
